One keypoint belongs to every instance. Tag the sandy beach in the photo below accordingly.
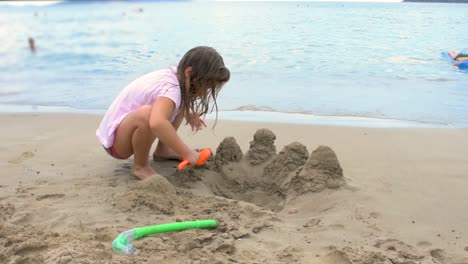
(281, 193)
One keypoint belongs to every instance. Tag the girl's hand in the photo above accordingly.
(193, 157)
(196, 123)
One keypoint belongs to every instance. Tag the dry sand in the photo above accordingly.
(281, 193)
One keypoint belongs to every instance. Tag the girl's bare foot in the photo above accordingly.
(143, 172)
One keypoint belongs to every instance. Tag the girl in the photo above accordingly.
(154, 105)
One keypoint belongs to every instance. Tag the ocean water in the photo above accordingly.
(325, 62)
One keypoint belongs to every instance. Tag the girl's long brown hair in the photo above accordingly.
(208, 75)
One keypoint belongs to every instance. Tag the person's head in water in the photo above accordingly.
(201, 74)
(32, 45)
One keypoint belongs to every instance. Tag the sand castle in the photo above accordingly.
(269, 175)
(260, 176)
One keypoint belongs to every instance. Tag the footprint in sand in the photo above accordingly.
(336, 227)
(30, 248)
(402, 249)
(439, 255)
(424, 244)
(312, 222)
(22, 218)
(60, 255)
(289, 255)
(123, 170)
(24, 156)
(336, 257)
(374, 214)
(50, 196)
(6, 210)
(23, 191)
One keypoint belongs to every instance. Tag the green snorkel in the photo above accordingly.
(122, 243)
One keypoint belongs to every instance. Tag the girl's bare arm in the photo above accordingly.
(163, 129)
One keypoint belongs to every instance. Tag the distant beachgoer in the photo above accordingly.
(155, 104)
(458, 56)
(32, 45)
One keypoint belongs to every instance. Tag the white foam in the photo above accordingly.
(29, 3)
(256, 116)
(12, 108)
(299, 118)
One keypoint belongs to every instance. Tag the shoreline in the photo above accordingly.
(262, 116)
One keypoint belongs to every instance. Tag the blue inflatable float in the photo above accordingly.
(462, 65)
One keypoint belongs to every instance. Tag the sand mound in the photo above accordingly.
(262, 147)
(228, 151)
(276, 174)
(322, 170)
(187, 176)
(154, 193)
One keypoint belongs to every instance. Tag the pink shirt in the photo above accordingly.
(142, 91)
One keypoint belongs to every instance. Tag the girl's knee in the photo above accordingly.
(142, 115)
(146, 109)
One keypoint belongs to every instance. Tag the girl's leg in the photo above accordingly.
(162, 151)
(134, 137)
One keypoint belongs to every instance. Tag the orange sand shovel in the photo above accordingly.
(204, 156)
